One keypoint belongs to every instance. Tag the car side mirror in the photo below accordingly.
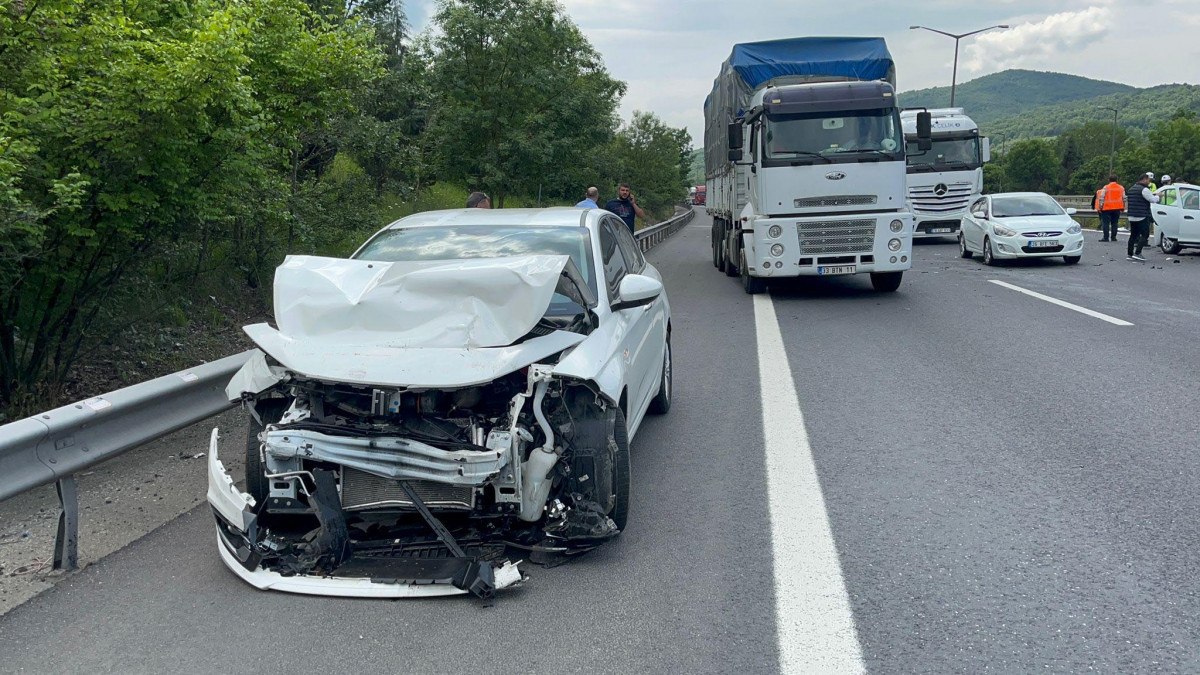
(1072, 211)
(636, 290)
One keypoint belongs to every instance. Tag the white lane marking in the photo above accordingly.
(1062, 303)
(815, 626)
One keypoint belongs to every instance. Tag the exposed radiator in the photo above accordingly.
(362, 490)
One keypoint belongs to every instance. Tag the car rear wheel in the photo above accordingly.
(962, 247)
(1071, 259)
(661, 403)
(988, 257)
(270, 410)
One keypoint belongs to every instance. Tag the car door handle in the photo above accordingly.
(1188, 218)
(1161, 213)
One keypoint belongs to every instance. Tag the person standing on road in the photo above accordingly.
(478, 200)
(1140, 198)
(1110, 201)
(625, 206)
(589, 201)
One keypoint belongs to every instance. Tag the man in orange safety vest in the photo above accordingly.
(1110, 201)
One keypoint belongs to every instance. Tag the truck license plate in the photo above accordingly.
(938, 230)
(826, 270)
(1043, 243)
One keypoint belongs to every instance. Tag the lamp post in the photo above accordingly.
(1112, 146)
(957, 37)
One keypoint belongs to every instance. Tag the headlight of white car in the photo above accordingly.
(1074, 229)
(1002, 231)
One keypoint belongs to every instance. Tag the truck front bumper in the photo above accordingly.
(829, 245)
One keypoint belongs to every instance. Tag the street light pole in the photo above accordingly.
(957, 37)
(1112, 146)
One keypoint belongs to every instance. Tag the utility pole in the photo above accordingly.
(957, 37)
(1112, 146)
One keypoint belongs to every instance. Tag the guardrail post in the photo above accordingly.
(66, 544)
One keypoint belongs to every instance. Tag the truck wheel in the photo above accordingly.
(886, 282)
(716, 258)
(731, 252)
(271, 411)
(752, 285)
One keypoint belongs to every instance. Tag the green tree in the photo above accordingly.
(520, 95)
(1031, 164)
(654, 159)
(1174, 146)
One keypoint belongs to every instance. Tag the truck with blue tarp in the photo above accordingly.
(805, 162)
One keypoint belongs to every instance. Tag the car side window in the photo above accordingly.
(979, 208)
(1190, 199)
(610, 255)
(629, 247)
(1167, 197)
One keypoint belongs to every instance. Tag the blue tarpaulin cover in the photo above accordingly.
(863, 58)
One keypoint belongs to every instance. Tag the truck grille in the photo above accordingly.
(836, 236)
(836, 200)
(926, 199)
(362, 490)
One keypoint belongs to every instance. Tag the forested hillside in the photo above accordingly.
(1012, 92)
(1140, 110)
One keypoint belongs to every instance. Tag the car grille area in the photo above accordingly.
(362, 490)
(1042, 249)
(926, 200)
(836, 236)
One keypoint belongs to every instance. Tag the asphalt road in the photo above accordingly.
(1007, 485)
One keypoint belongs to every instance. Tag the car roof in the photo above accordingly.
(1186, 185)
(1018, 194)
(559, 216)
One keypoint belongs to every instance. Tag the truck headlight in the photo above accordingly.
(775, 232)
(777, 249)
(895, 244)
(897, 225)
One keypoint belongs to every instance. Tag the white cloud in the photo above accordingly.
(1038, 44)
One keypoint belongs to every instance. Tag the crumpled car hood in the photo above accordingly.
(414, 324)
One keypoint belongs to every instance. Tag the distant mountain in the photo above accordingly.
(1012, 92)
(1139, 109)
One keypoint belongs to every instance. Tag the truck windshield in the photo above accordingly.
(829, 137)
(947, 154)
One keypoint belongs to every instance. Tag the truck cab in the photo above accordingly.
(944, 180)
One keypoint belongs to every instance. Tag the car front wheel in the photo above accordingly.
(988, 257)
(1071, 259)
(661, 403)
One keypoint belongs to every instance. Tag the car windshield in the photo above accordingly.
(457, 242)
(946, 154)
(1016, 206)
(834, 137)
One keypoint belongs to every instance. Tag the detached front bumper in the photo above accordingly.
(237, 533)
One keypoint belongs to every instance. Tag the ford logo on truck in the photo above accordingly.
(835, 175)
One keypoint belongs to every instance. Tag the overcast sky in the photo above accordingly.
(668, 51)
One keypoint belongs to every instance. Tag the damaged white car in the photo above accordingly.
(457, 396)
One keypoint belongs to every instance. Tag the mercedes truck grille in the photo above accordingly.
(941, 198)
(836, 200)
(362, 490)
(836, 236)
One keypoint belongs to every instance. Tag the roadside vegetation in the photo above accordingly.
(159, 159)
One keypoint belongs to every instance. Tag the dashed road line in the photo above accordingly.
(815, 626)
(1062, 303)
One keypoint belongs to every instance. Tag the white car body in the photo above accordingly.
(1177, 217)
(991, 229)
(416, 382)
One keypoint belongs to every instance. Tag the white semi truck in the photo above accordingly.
(804, 162)
(944, 180)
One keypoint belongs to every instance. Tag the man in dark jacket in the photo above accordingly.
(1139, 198)
(625, 206)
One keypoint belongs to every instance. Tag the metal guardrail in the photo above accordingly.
(651, 236)
(56, 445)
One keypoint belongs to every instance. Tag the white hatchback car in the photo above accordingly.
(1177, 217)
(1020, 225)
